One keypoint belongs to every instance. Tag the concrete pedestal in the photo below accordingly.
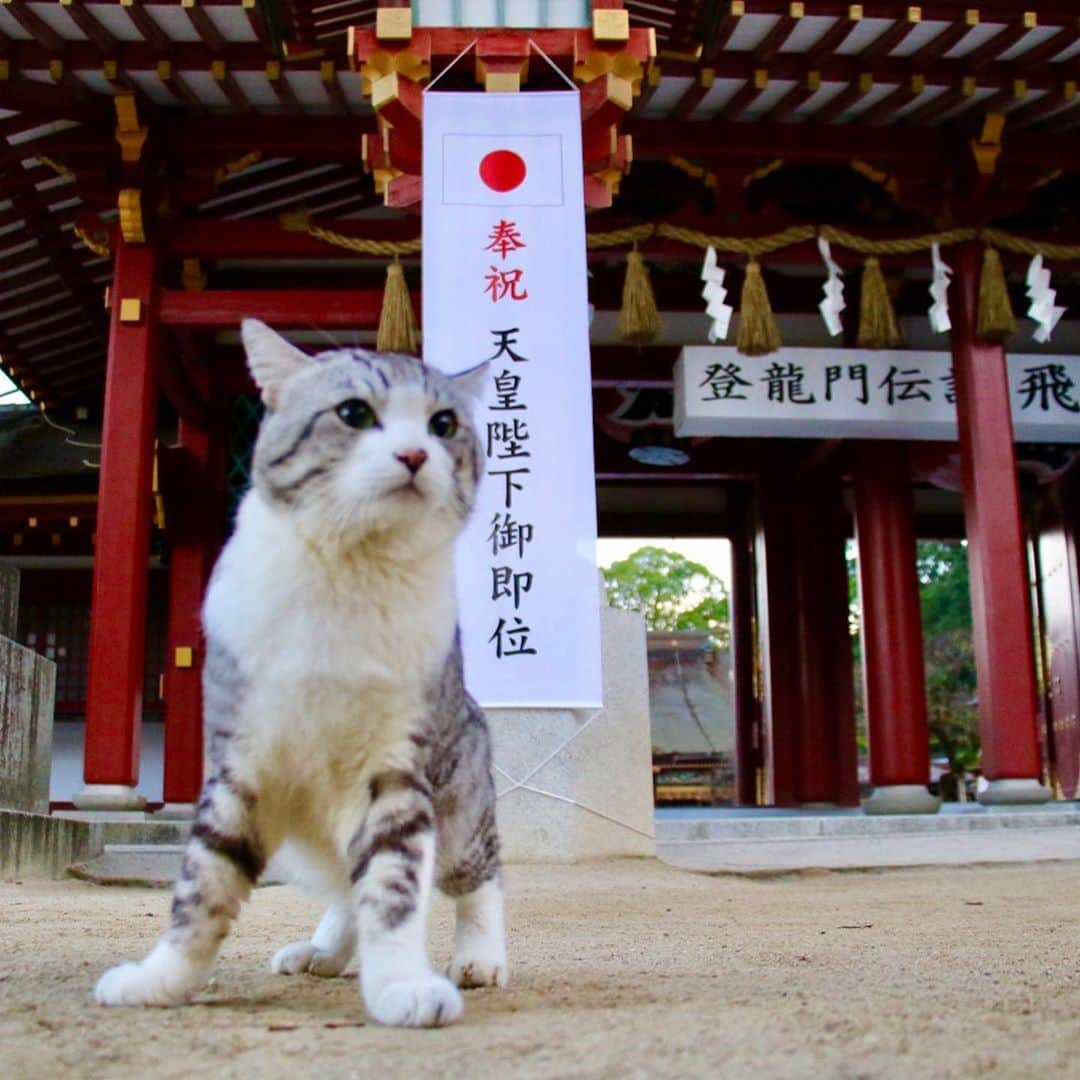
(1014, 793)
(106, 798)
(27, 689)
(901, 799)
(577, 784)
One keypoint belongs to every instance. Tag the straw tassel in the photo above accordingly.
(877, 320)
(758, 333)
(397, 323)
(639, 321)
(996, 319)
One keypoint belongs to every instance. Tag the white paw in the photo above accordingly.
(428, 1001)
(304, 956)
(480, 965)
(139, 983)
(478, 960)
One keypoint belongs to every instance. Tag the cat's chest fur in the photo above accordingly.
(316, 633)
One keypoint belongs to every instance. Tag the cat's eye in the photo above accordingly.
(444, 424)
(357, 413)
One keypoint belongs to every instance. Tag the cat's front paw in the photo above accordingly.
(479, 962)
(146, 983)
(427, 1001)
(303, 956)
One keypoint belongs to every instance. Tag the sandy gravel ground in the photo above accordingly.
(624, 969)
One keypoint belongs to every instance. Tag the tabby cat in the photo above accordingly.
(338, 725)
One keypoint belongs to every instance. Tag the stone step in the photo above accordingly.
(155, 866)
(763, 843)
(36, 845)
(134, 828)
(722, 825)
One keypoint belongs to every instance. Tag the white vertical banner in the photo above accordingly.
(504, 281)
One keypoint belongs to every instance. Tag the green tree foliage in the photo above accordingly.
(671, 591)
(949, 651)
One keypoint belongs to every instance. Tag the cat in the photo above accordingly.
(338, 724)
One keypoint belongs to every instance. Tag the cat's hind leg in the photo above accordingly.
(223, 859)
(330, 949)
(469, 856)
(391, 859)
(473, 878)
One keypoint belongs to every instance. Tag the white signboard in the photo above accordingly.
(505, 282)
(844, 393)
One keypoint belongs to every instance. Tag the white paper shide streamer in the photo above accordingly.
(714, 295)
(939, 292)
(833, 302)
(1043, 309)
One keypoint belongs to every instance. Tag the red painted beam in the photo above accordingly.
(118, 611)
(1000, 597)
(281, 307)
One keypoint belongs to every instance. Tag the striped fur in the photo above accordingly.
(339, 729)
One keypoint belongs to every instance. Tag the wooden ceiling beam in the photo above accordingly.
(694, 94)
(175, 84)
(257, 21)
(26, 56)
(1050, 12)
(884, 110)
(938, 106)
(281, 87)
(152, 34)
(34, 25)
(744, 97)
(1064, 120)
(204, 26)
(887, 40)
(1027, 115)
(938, 46)
(45, 228)
(825, 47)
(841, 102)
(990, 50)
(92, 27)
(796, 96)
(328, 72)
(775, 39)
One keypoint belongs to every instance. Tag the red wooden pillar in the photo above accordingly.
(747, 750)
(1000, 601)
(828, 762)
(193, 521)
(118, 607)
(775, 559)
(893, 671)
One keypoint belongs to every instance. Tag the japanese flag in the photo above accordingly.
(502, 170)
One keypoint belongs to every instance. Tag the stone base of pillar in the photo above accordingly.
(901, 799)
(1013, 793)
(107, 797)
(176, 811)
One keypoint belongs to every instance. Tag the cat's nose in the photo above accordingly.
(412, 459)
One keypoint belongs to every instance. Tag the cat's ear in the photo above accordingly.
(271, 359)
(471, 382)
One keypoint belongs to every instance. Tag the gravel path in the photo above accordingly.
(620, 969)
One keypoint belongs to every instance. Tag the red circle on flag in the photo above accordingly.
(502, 170)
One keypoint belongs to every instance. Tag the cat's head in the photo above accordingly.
(363, 445)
